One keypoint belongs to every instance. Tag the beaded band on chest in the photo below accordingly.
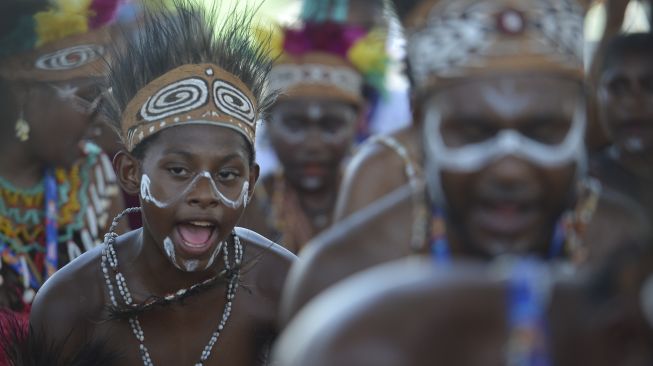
(190, 94)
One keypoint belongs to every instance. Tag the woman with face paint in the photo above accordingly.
(321, 74)
(188, 288)
(57, 191)
(505, 174)
(514, 311)
(626, 105)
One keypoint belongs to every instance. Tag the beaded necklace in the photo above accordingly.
(29, 226)
(21, 265)
(109, 264)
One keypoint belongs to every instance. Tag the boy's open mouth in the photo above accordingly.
(196, 236)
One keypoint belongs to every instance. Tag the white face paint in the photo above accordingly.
(474, 156)
(235, 202)
(315, 111)
(68, 93)
(188, 265)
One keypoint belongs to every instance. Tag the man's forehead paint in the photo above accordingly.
(504, 98)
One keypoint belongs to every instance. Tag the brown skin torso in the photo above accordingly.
(382, 233)
(637, 185)
(75, 300)
(376, 170)
(409, 313)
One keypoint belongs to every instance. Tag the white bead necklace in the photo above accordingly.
(110, 261)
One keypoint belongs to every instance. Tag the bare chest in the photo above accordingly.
(181, 333)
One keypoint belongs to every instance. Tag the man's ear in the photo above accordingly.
(254, 172)
(128, 169)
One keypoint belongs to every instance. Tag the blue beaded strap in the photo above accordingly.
(557, 247)
(51, 224)
(528, 296)
(439, 244)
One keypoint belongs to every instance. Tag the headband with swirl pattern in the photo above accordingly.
(190, 94)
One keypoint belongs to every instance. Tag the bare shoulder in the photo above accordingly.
(618, 220)
(70, 300)
(266, 264)
(265, 248)
(376, 234)
(361, 185)
(368, 311)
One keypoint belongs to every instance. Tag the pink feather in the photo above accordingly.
(104, 11)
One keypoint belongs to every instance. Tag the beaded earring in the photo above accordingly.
(22, 128)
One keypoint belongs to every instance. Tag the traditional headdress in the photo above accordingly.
(179, 69)
(329, 59)
(60, 40)
(449, 39)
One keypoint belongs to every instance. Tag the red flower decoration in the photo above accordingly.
(329, 37)
(104, 11)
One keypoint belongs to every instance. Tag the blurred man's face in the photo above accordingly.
(626, 97)
(502, 156)
(311, 137)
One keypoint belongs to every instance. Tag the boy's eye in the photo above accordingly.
(228, 175)
(178, 171)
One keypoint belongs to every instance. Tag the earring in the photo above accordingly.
(22, 128)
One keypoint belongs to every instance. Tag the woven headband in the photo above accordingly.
(449, 39)
(190, 94)
(73, 57)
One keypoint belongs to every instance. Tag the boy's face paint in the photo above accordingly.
(196, 180)
(502, 156)
(230, 198)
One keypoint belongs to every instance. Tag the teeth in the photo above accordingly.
(201, 223)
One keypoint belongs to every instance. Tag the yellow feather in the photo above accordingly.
(369, 54)
(272, 38)
(66, 18)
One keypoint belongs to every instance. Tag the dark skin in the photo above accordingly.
(311, 138)
(510, 205)
(382, 232)
(374, 171)
(626, 96)
(77, 294)
(410, 313)
(57, 125)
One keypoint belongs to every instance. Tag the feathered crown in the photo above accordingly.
(60, 19)
(61, 40)
(327, 56)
